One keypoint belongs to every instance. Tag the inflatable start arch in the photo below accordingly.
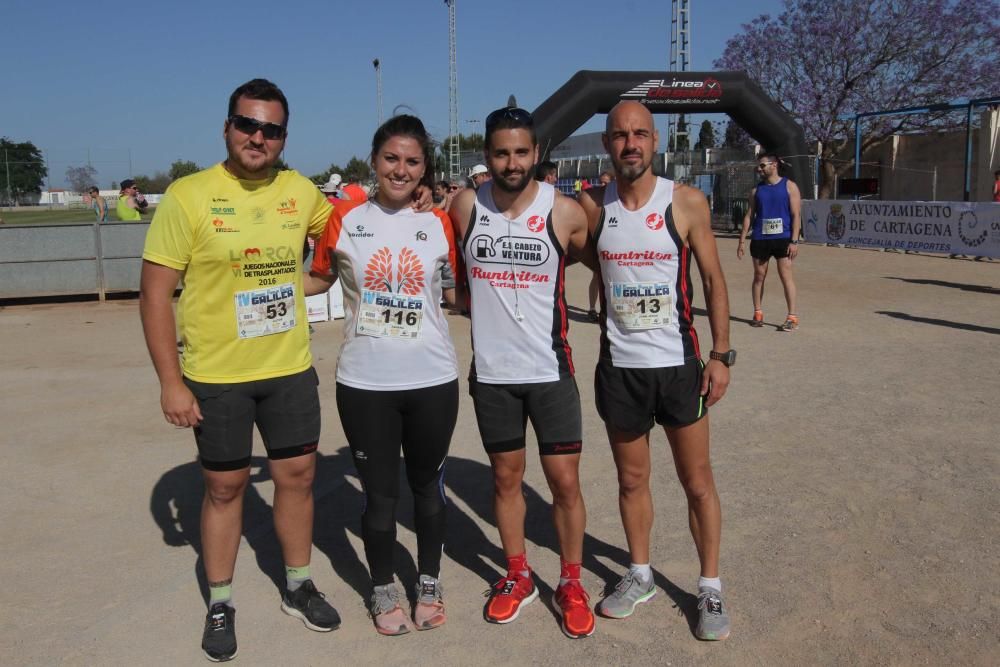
(589, 92)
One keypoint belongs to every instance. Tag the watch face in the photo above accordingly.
(728, 358)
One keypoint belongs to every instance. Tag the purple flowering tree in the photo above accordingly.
(824, 60)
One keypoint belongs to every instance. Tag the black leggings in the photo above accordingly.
(376, 424)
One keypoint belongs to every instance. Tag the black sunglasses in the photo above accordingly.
(250, 126)
(519, 116)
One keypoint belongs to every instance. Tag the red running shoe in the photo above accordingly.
(571, 604)
(508, 596)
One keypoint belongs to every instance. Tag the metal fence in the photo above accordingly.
(69, 259)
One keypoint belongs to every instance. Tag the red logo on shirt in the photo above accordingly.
(654, 221)
(409, 272)
(536, 223)
(251, 251)
(217, 222)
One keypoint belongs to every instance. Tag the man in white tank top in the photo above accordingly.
(515, 233)
(645, 230)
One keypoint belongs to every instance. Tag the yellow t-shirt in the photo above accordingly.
(242, 313)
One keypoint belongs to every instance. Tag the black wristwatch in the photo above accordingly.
(727, 358)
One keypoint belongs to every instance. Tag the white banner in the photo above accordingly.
(962, 228)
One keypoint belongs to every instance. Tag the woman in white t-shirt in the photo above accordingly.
(397, 375)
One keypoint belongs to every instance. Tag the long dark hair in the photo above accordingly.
(405, 125)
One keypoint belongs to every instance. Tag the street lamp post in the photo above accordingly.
(378, 87)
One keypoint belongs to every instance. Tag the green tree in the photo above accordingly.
(80, 179)
(181, 168)
(24, 170)
(324, 176)
(155, 184)
(683, 143)
(474, 142)
(736, 136)
(706, 136)
(357, 170)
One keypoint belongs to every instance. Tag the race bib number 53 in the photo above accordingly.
(641, 305)
(262, 312)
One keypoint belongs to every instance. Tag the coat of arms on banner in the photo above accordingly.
(836, 223)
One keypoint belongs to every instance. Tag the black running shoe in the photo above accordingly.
(310, 606)
(219, 640)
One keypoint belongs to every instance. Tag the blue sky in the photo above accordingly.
(123, 84)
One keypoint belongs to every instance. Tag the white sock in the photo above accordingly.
(713, 582)
(641, 570)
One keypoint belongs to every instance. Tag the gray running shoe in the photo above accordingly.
(428, 612)
(713, 618)
(629, 592)
(388, 616)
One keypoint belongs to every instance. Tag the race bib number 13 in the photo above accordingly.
(389, 315)
(641, 305)
(262, 312)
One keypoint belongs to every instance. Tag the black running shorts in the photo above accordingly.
(503, 411)
(630, 399)
(765, 249)
(285, 410)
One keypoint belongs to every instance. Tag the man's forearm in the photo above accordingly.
(161, 337)
(717, 300)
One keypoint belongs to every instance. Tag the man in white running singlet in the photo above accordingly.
(646, 230)
(516, 233)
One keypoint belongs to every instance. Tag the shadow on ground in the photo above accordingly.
(941, 323)
(175, 505)
(982, 289)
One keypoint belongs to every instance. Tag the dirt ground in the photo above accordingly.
(856, 459)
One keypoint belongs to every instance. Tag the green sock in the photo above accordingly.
(220, 591)
(296, 576)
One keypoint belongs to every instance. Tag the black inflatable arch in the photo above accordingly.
(590, 92)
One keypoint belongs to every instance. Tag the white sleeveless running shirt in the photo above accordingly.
(646, 276)
(515, 270)
(389, 264)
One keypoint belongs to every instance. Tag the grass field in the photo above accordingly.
(57, 214)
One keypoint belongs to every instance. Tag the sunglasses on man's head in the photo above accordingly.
(250, 126)
(519, 116)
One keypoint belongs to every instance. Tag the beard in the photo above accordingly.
(258, 164)
(516, 186)
(630, 172)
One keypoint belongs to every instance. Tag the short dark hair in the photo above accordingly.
(543, 169)
(94, 188)
(405, 125)
(442, 184)
(258, 89)
(509, 118)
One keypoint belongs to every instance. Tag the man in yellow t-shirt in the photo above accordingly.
(235, 233)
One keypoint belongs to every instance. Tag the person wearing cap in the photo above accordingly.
(130, 202)
(479, 175)
(332, 187)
